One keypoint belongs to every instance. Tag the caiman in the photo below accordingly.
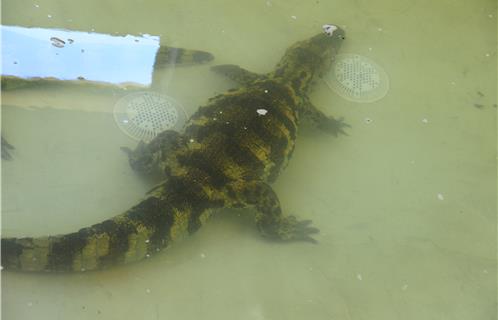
(230, 152)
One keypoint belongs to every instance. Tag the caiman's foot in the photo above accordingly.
(269, 219)
(333, 126)
(290, 229)
(6, 148)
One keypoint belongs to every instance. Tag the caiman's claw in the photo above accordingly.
(6, 147)
(302, 232)
(293, 230)
(333, 126)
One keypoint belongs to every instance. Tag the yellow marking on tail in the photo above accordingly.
(34, 256)
(97, 246)
(179, 229)
(138, 244)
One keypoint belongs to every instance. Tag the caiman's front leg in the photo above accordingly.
(6, 148)
(147, 157)
(269, 218)
(328, 124)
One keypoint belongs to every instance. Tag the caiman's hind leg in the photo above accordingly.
(148, 157)
(269, 218)
(328, 124)
(236, 73)
(6, 148)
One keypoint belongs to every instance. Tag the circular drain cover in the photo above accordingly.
(357, 78)
(143, 115)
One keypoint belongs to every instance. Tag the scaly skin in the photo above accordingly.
(232, 148)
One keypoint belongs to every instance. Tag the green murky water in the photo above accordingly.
(406, 203)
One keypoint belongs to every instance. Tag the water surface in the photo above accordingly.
(406, 203)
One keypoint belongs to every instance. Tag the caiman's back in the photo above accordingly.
(246, 134)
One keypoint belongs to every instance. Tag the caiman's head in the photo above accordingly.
(308, 58)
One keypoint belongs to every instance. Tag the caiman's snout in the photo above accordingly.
(327, 43)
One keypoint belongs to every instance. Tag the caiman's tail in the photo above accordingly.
(167, 56)
(134, 235)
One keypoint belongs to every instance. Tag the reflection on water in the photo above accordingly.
(405, 204)
(74, 55)
(37, 57)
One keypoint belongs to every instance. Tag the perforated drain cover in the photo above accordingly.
(357, 78)
(143, 115)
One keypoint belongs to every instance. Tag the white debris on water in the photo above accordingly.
(329, 29)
